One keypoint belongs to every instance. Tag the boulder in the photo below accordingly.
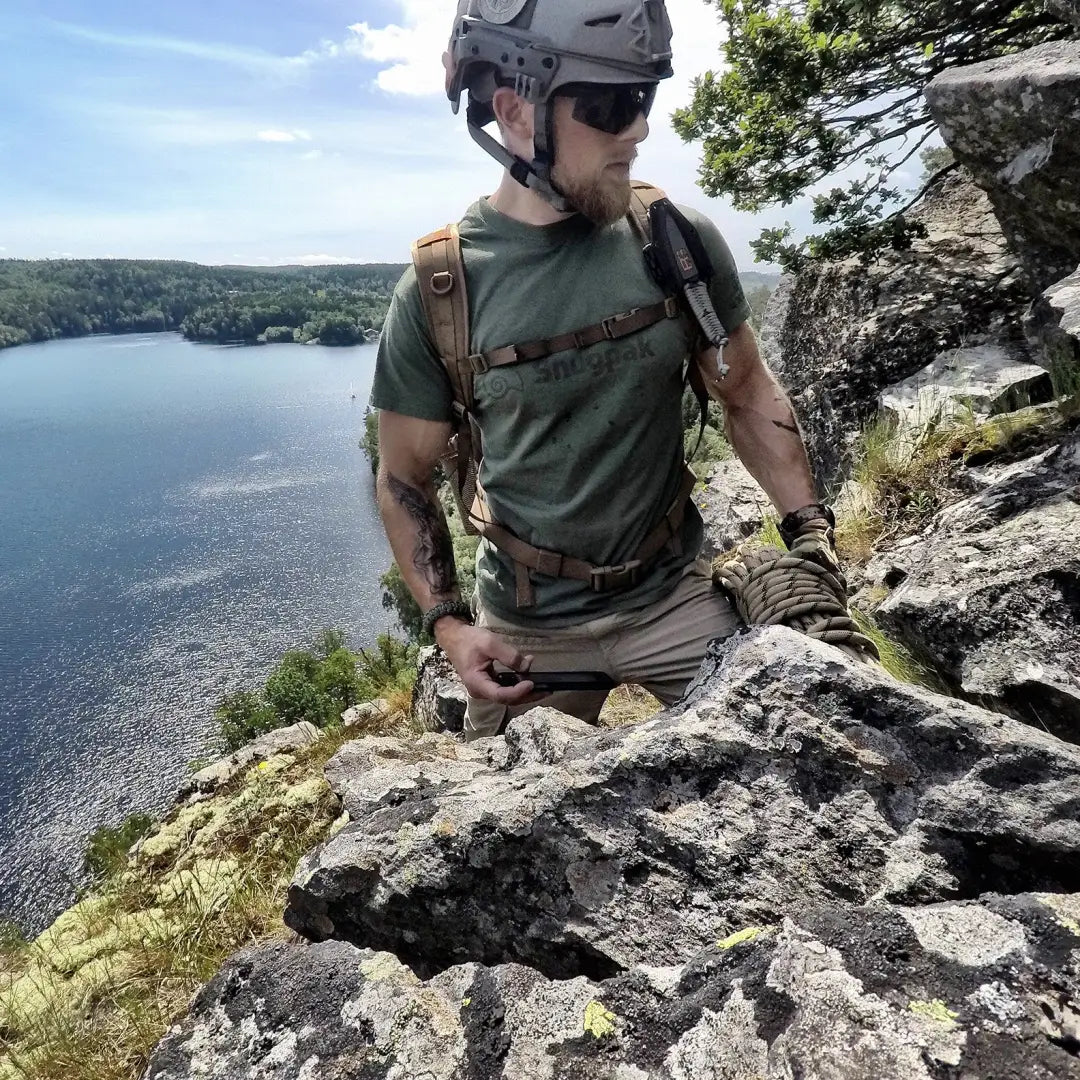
(1054, 326)
(840, 333)
(439, 697)
(733, 507)
(203, 784)
(789, 776)
(990, 594)
(1069, 10)
(861, 992)
(367, 712)
(975, 382)
(1014, 121)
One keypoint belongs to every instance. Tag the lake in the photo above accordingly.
(173, 517)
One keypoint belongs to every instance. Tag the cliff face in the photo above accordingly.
(803, 858)
(806, 868)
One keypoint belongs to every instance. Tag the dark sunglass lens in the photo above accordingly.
(612, 108)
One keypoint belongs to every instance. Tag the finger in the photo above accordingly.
(484, 686)
(505, 653)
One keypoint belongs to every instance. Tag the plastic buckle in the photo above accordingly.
(442, 281)
(671, 307)
(479, 363)
(613, 578)
(611, 323)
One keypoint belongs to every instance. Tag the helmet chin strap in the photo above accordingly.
(536, 176)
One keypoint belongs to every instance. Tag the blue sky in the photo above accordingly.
(243, 132)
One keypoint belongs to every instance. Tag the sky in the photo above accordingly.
(236, 131)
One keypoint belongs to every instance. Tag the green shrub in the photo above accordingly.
(388, 667)
(106, 852)
(242, 716)
(292, 690)
(370, 442)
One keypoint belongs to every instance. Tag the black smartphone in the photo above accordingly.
(547, 682)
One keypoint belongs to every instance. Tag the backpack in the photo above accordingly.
(440, 274)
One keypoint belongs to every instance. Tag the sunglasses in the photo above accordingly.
(610, 108)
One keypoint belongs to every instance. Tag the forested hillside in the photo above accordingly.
(41, 300)
(334, 305)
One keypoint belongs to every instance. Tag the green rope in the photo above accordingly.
(770, 587)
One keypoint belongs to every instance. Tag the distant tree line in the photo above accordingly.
(334, 305)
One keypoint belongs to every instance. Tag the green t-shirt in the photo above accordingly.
(583, 449)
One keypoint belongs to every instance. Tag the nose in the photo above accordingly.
(638, 131)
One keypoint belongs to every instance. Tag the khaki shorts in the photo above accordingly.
(660, 647)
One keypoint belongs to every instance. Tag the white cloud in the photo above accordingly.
(274, 135)
(412, 48)
(254, 60)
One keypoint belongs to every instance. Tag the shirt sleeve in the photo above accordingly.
(410, 378)
(725, 289)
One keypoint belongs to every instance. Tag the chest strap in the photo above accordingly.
(602, 579)
(610, 329)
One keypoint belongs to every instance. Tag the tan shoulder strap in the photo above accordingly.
(642, 196)
(440, 274)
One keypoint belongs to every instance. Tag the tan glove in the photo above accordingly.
(814, 541)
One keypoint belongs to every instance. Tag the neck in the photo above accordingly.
(523, 204)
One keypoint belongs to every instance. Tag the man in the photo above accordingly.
(582, 447)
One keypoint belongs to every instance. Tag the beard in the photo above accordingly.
(602, 199)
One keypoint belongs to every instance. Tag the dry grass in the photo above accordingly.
(628, 704)
(93, 995)
(906, 478)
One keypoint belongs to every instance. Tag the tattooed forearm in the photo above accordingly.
(433, 555)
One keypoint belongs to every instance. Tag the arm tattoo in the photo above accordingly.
(433, 555)
(787, 427)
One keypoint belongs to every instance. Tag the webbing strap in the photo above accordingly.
(612, 578)
(642, 196)
(611, 329)
(440, 275)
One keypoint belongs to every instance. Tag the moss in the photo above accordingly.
(385, 967)
(749, 934)
(599, 1022)
(935, 1010)
(173, 836)
(1066, 909)
(205, 887)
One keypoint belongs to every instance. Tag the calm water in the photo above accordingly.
(172, 518)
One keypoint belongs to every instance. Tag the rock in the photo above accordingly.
(1054, 325)
(973, 382)
(1069, 10)
(991, 594)
(789, 776)
(844, 331)
(733, 507)
(206, 781)
(1008, 489)
(439, 697)
(1014, 121)
(957, 989)
(366, 712)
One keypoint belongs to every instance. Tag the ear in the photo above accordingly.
(515, 115)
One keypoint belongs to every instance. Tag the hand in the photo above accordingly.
(814, 541)
(471, 649)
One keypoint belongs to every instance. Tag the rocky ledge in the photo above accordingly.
(806, 869)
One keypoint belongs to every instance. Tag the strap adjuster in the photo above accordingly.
(442, 281)
(610, 324)
(614, 578)
(479, 363)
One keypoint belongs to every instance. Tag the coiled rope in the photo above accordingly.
(769, 586)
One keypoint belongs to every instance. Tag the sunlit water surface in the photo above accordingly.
(172, 518)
